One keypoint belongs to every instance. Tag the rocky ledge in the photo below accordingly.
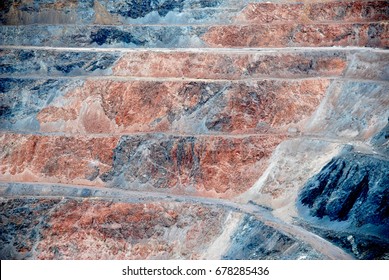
(194, 129)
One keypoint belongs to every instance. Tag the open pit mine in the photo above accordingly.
(194, 129)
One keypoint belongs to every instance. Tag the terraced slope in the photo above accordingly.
(141, 129)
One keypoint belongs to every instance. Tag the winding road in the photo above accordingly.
(46, 190)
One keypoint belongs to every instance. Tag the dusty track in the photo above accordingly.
(15, 190)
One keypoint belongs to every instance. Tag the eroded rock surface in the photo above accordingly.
(346, 11)
(71, 228)
(81, 229)
(185, 164)
(55, 158)
(192, 107)
(198, 36)
(212, 166)
(118, 12)
(353, 188)
(350, 196)
(194, 129)
(256, 241)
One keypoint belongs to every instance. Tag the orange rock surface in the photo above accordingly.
(129, 231)
(55, 158)
(107, 106)
(295, 35)
(347, 11)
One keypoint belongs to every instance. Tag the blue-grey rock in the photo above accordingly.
(103, 36)
(381, 140)
(349, 200)
(25, 12)
(22, 221)
(22, 99)
(15, 62)
(253, 240)
(188, 36)
(352, 187)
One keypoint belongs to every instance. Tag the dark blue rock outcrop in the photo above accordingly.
(351, 187)
(347, 203)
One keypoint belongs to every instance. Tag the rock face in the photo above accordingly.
(59, 158)
(195, 36)
(148, 162)
(194, 129)
(258, 241)
(354, 12)
(118, 12)
(191, 107)
(351, 192)
(54, 63)
(355, 106)
(131, 227)
(76, 229)
(213, 166)
(232, 65)
(352, 188)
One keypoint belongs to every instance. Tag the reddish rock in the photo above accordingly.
(355, 12)
(230, 65)
(112, 106)
(21, 221)
(299, 35)
(231, 166)
(250, 36)
(96, 229)
(193, 122)
(369, 35)
(270, 105)
(204, 165)
(106, 230)
(271, 13)
(53, 114)
(55, 158)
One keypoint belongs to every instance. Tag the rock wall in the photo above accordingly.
(140, 129)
